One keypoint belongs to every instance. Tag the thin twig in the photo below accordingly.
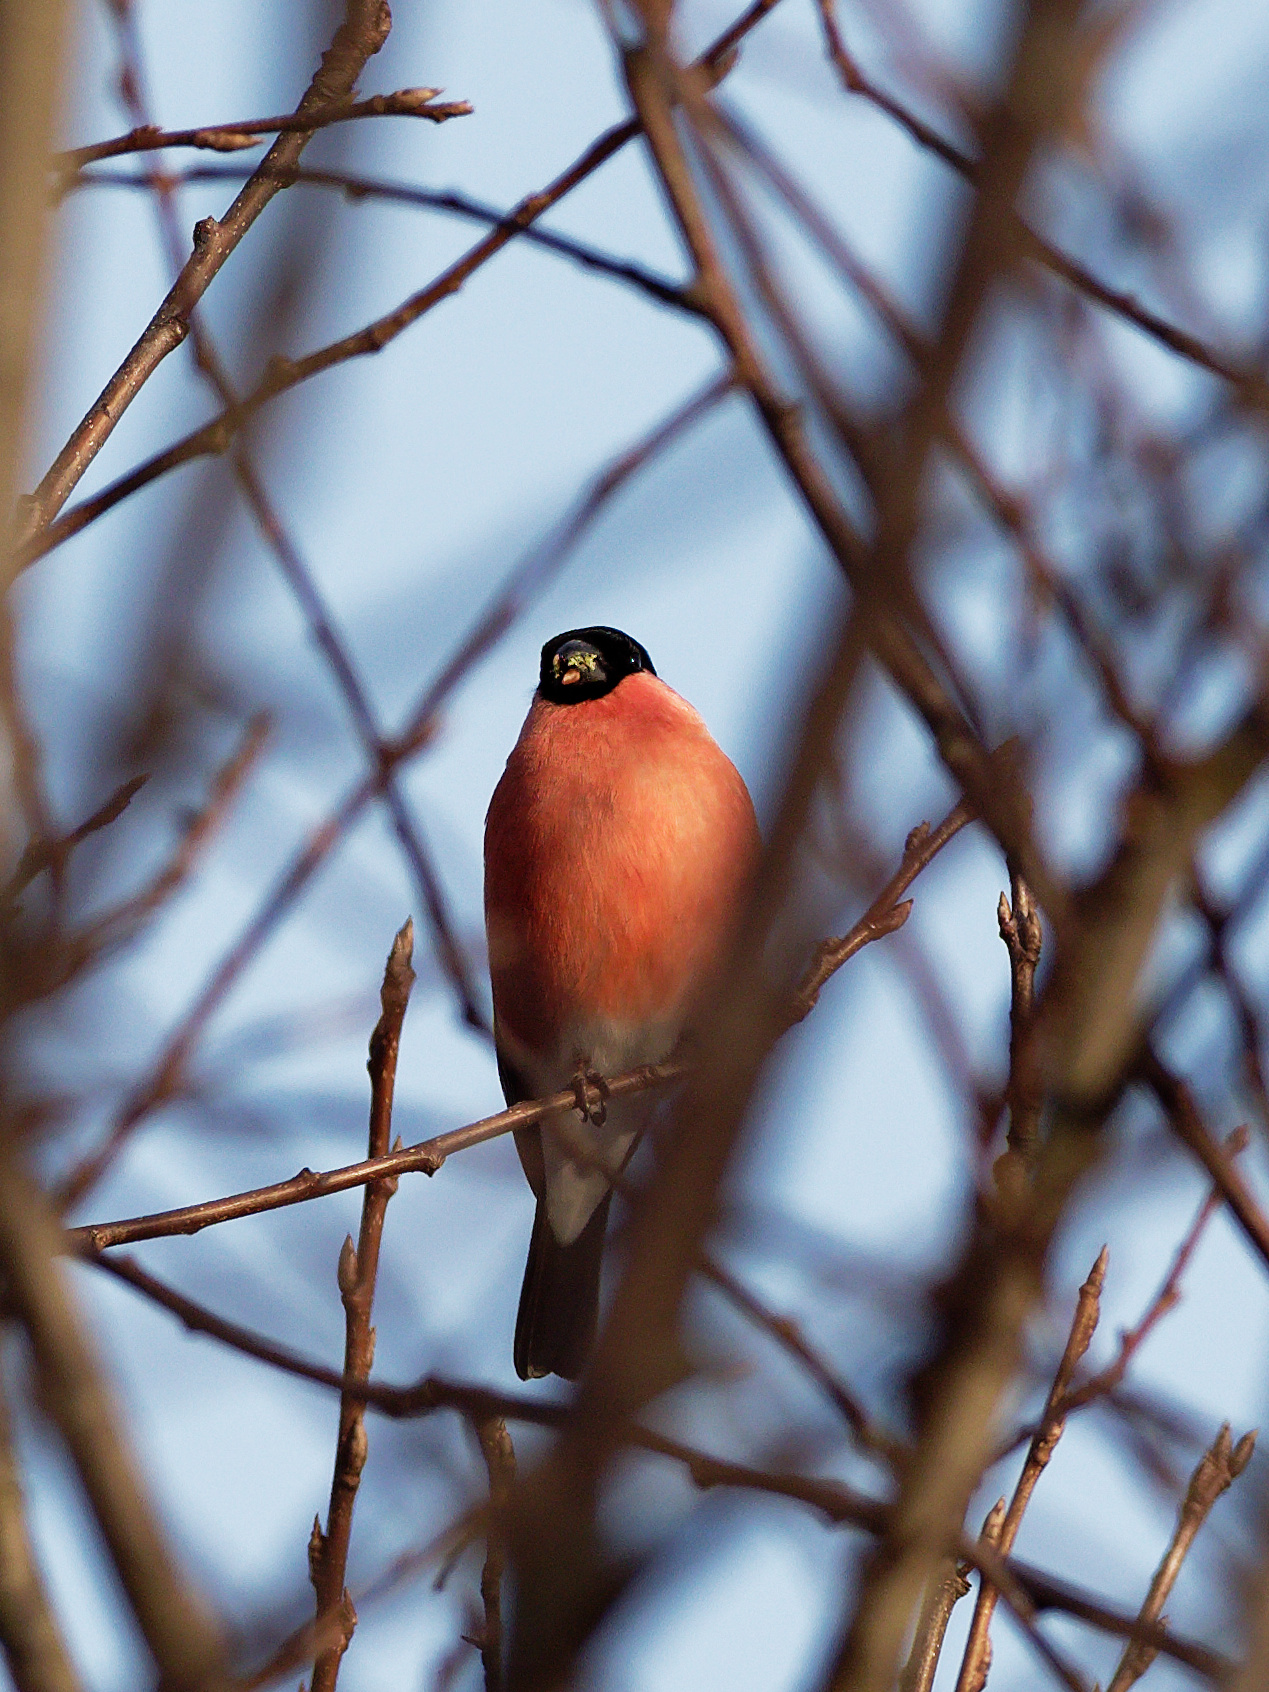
(125, 921)
(886, 913)
(1107, 1380)
(41, 855)
(233, 137)
(1217, 1470)
(358, 1272)
(1021, 931)
(977, 1658)
(1186, 1122)
(500, 1461)
(659, 288)
(426, 1157)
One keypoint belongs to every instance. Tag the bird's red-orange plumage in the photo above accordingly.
(618, 846)
(618, 842)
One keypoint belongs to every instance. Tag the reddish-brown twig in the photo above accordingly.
(52, 855)
(1021, 931)
(887, 912)
(977, 1658)
(1166, 1299)
(233, 137)
(1217, 1470)
(1187, 1124)
(1108, 1380)
(427, 1157)
(358, 1272)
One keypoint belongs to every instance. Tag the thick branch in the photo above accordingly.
(500, 1462)
(184, 1644)
(33, 1646)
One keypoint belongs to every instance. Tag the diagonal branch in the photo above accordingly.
(1217, 1470)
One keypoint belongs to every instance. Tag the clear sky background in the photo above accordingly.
(413, 483)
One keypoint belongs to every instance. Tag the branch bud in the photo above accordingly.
(346, 1274)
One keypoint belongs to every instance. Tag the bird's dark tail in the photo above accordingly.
(559, 1301)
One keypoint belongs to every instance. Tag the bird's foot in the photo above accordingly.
(592, 1094)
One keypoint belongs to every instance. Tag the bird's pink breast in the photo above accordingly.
(617, 848)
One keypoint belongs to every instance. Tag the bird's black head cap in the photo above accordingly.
(588, 663)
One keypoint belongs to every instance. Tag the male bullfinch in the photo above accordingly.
(618, 846)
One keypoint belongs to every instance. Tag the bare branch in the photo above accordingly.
(1217, 1470)
(834, 1500)
(977, 1657)
(1022, 933)
(886, 913)
(358, 1272)
(233, 137)
(41, 855)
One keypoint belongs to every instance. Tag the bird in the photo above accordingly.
(620, 843)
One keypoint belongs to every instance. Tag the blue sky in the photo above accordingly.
(413, 483)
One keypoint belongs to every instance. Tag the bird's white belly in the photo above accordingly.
(574, 1188)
